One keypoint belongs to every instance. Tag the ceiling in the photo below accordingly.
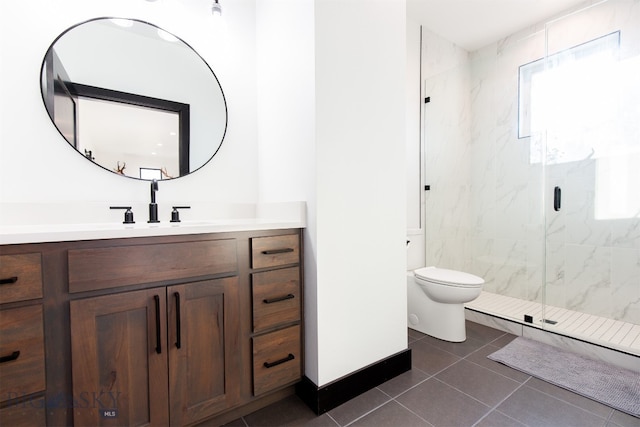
(473, 24)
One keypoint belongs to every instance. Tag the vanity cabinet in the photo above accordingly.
(22, 354)
(166, 330)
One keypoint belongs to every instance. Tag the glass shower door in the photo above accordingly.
(505, 198)
(586, 102)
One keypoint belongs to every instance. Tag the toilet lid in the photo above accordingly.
(448, 277)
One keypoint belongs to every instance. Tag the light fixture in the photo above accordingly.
(216, 9)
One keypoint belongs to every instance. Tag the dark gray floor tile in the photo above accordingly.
(536, 409)
(504, 340)
(442, 405)
(403, 382)
(430, 359)
(487, 386)
(464, 378)
(623, 419)
(480, 357)
(568, 396)
(414, 335)
(358, 406)
(460, 349)
(482, 333)
(391, 414)
(287, 412)
(498, 419)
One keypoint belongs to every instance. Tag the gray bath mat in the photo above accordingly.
(611, 385)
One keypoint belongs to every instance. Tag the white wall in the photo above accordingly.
(360, 171)
(37, 165)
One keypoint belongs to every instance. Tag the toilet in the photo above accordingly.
(436, 298)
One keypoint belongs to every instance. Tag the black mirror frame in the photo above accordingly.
(140, 100)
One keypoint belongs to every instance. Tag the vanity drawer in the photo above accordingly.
(276, 359)
(276, 298)
(20, 277)
(22, 352)
(275, 251)
(110, 267)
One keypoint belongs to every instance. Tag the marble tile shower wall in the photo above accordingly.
(484, 213)
(506, 208)
(447, 153)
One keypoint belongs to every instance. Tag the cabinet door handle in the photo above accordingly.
(158, 337)
(9, 358)
(278, 299)
(277, 251)
(178, 340)
(279, 362)
(8, 280)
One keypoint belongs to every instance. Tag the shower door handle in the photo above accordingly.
(557, 197)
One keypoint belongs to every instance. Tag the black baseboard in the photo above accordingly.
(332, 395)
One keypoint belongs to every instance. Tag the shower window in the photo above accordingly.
(573, 96)
(578, 101)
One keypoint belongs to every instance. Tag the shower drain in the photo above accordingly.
(529, 319)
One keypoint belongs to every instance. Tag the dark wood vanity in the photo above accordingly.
(167, 330)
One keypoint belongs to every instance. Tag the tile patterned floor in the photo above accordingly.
(452, 385)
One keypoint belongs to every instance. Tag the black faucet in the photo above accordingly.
(153, 207)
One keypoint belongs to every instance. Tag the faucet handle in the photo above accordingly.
(128, 214)
(175, 215)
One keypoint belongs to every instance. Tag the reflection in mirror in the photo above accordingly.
(133, 100)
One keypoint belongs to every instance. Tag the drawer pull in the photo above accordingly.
(158, 335)
(8, 280)
(278, 299)
(277, 251)
(279, 362)
(178, 338)
(9, 358)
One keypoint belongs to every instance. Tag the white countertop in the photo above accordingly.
(71, 232)
(283, 216)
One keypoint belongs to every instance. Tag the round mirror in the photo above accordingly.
(133, 98)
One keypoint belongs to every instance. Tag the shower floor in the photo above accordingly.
(598, 330)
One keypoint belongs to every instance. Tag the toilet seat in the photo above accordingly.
(447, 277)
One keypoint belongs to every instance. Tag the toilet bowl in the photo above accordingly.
(436, 298)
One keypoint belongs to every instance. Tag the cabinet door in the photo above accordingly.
(204, 348)
(119, 359)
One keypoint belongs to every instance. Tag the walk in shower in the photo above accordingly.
(532, 156)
